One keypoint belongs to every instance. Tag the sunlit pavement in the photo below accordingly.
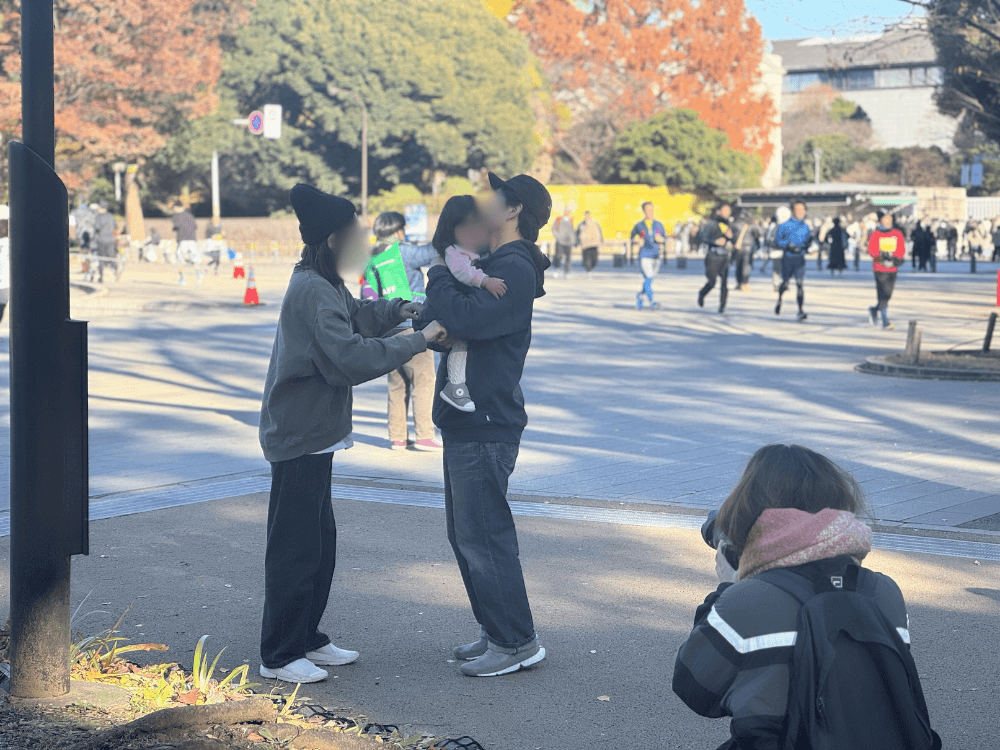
(625, 593)
(633, 411)
(639, 407)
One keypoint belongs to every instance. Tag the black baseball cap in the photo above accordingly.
(532, 194)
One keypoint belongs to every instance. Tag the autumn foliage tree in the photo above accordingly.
(614, 61)
(126, 73)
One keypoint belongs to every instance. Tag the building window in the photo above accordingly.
(893, 78)
(859, 79)
(932, 76)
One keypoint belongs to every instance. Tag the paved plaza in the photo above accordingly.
(653, 407)
(640, 421)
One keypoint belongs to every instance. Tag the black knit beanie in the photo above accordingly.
(320, 214)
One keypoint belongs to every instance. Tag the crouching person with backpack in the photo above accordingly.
(801, 646)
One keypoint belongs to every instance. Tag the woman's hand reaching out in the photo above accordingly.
(435, 333)
(411, 310)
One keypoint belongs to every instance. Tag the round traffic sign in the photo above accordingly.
(255, 123)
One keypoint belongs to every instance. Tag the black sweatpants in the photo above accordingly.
(885, 282)
(716, 266)
(299, 560)
(743, 266)
(589, 258)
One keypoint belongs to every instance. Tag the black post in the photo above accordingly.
(989, 332)
(48, 387)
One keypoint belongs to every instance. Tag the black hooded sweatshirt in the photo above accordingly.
(498, 333)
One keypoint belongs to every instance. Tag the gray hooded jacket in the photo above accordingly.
(326, 343)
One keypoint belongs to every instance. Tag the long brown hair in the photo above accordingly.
(786, 476)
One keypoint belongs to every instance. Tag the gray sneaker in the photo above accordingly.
(497, 661)
(472, 650)
(458, 396)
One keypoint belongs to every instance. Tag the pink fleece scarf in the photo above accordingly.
(785, 537)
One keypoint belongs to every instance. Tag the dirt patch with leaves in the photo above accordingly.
(166, 707)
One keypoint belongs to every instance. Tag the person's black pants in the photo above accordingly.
(590, 258)
(716, 266)
(564, 255)
(106, 259)
(793, 266)
(743, 263)
(482, 535)
(885, 282)
(299, 560)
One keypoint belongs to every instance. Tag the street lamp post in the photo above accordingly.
(334, 91)
(818, 156)
(48, 387)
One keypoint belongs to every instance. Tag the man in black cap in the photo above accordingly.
(326, 343)
(480, 447)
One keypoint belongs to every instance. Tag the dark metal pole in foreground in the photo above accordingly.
(48, 387)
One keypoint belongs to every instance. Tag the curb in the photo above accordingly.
(881, 366)
(901, 528)
(983, 536)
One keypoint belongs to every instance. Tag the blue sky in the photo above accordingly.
(791, 19)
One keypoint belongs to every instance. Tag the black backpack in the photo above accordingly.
(853, 683)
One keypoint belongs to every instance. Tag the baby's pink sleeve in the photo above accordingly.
(460, 264)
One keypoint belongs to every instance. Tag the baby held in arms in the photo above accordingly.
(461, 234)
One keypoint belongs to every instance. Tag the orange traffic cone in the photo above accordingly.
(251, 298)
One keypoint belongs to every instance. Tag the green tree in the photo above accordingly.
(677, 149)
(966, 35)
(441, 81)
(839, 157)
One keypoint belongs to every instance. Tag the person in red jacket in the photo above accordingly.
(887, 246)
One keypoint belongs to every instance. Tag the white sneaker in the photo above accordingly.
(331, 656)
(299, 671)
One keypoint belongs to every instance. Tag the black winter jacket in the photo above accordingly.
(737, 660)
(498, 333)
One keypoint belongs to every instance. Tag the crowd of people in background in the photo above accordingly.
(738, 240)
(97, 236)
(838, 241)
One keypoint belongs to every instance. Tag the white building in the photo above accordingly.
(771, 78)
(891, 75)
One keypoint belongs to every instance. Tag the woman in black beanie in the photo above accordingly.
(326, 343)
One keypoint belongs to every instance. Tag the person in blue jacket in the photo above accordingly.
(794, 238)
(651, 232)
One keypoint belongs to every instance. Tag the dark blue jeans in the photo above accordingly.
(299, 561)
(482, 534)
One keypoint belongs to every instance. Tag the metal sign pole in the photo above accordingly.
(48, 387)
